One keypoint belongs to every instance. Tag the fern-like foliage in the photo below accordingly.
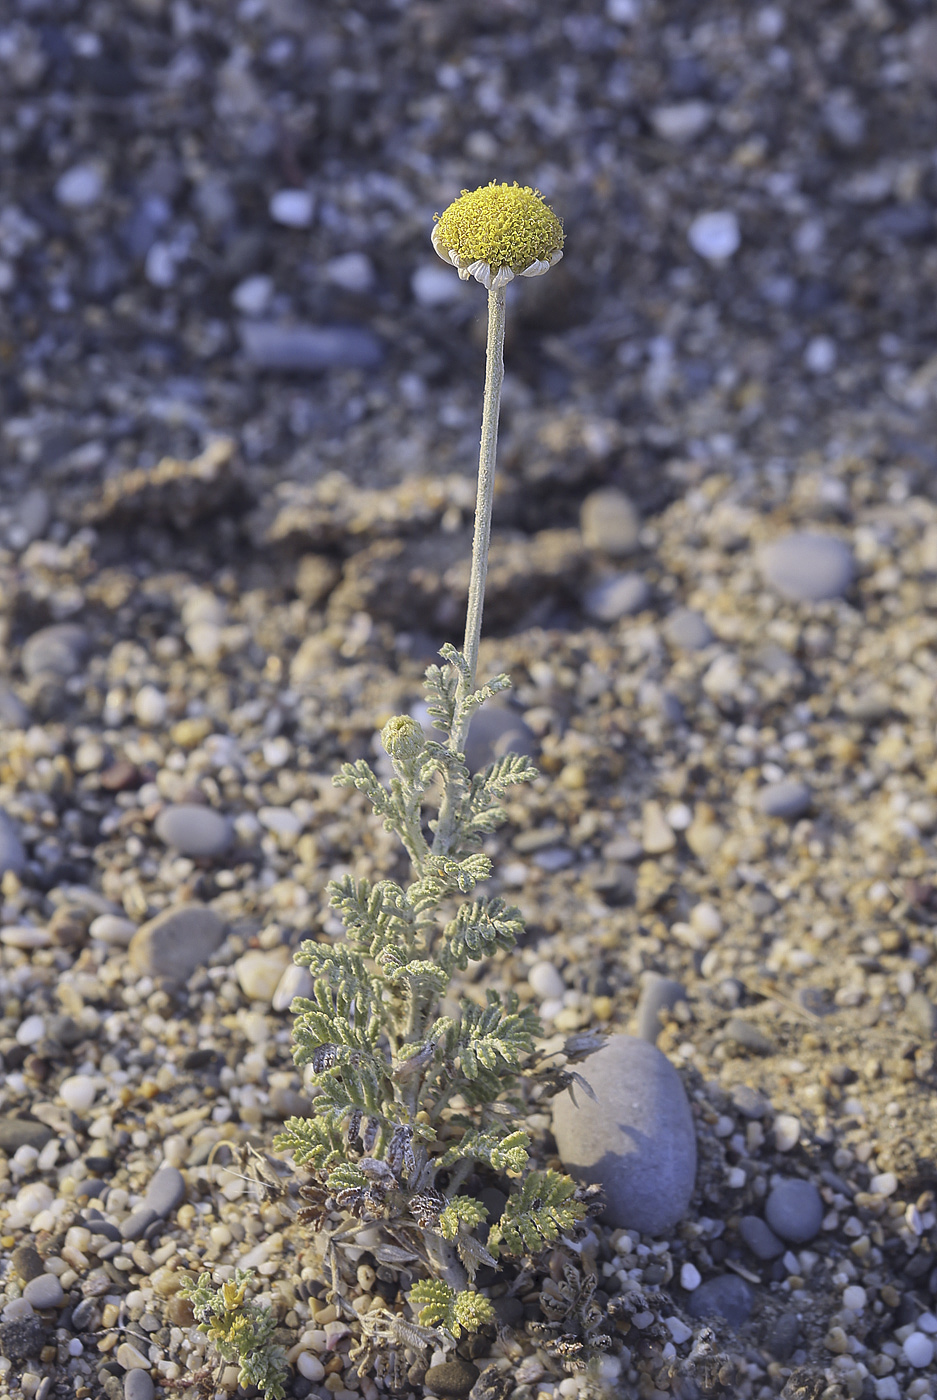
(536, 1215)
(381, 1062)
(438, 1305)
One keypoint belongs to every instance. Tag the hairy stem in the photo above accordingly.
(491, 409)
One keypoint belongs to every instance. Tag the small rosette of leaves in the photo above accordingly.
(537, 1214)
(438, 1305)
(241, 1331)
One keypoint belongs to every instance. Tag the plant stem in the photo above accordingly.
(494, 375)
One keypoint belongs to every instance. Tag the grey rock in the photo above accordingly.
(176, 942)
(58, 651)
(743, 1033)
(33, 513)
(788, 799)
(922, 1013)
(83, 1314)
(12, 852)
(44, 1291)
(136, 1224)
(194, 830)
(13, 713)
(610, 523)
(726, 1296)
(636, 1140)
(687, 630)
(794, 1210)
(20, 1132)
(453, 1378)
(749, 1102)
(807, 567)
(616, 597)
(783, 1336)
(166, 1191)
(138, 1385)
(22, 1338)
(657, 994)
(495, 731)
(509, 1312)
(760, 1238)
(27, 1262)
(268, 345)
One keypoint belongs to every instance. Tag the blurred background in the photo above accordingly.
(215, 217)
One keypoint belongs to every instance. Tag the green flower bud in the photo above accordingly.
(403, 738)
(499, 232)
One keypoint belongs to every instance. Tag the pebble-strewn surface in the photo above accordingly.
(241, 403)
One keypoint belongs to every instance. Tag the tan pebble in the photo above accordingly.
(657, 835)
(603, 1008)
(189, 733)
(836, 1341)
(109, 1314)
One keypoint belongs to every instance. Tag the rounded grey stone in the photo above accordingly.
(788, 799)
(22, 1132)
(657, 994)
(616, 597)
(610, 523)
(725, 1296)
(794, 1210)
(760, 1238)
(494, 731)
(194, 830)
(44, 1291)
(269, 345)
(636, 1140)
(166, 1191)
(12, 851)
(749, 1037)
(13, 713)
(922, 1014)
(687, 630)
(58, 650)
(176, 942)
(138, 1385)
(136, 1224)
(783, 1336)
(806, 567)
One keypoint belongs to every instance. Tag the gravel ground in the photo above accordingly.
(240, 418)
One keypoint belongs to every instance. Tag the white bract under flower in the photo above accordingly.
(497, 233)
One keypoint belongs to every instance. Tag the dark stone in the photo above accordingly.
(27, 1262)
(509, 1312)
(760, 1238)
(726, 1296)
(17, 1132)
(22, 1339)
(747, 1036)
(452, 1378)
(794, 1210)
(657, 994)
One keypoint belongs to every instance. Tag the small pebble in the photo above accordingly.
(678, 1329)
(292, 208)
(252, 296)
(610, 523)
(27, 1262)
(180, 939)
(259, 972)
(165, 1192)
(495, 731)
(918, 1350)
(786, 1132)
(268, 345)
(194, 830)
(807, 567)
(78, 1092)
(687, 630)
(138, 1385)
(657, 994)
(619, 596)
(760, 1238)
(783, 1336)
(788, 799)
(353, 272)
(12, 852)
(112, 929)
(58, 651)
(44, 1291)
(131, 1358)
(748, 1036)
(309, 1365)
(545, 981)
(295, 981)
(657, 835)
(150, 707)
(80, 187)
(726, 1296)
(715, 235)
(681, 121)
(690, 1278)
(794, 1210)
(451, 1379)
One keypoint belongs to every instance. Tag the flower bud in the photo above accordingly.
(403, 738)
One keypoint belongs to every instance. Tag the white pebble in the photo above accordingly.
(854, 1298)
(434, 286)
(150, 706)
(690, 1278)
(25, 936)
(276, 752)
(280, 820)
(706, 919)
(353, 272)
(79, 188)
(885, 1184)
(295, 982)
(820, 354)
(204, 639)
(679, 816)
(78, 1092)
(786, 1132)
(252, 296)
(715, 236)
(293, 208)
(927, 1322)
(30, 1031)
(918, 1350)
(112, 929)
(545, 982)
(678, 1329)
(310, 1366)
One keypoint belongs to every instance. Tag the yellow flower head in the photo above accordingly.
(499, 232)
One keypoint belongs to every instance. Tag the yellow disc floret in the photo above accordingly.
(499, 225)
